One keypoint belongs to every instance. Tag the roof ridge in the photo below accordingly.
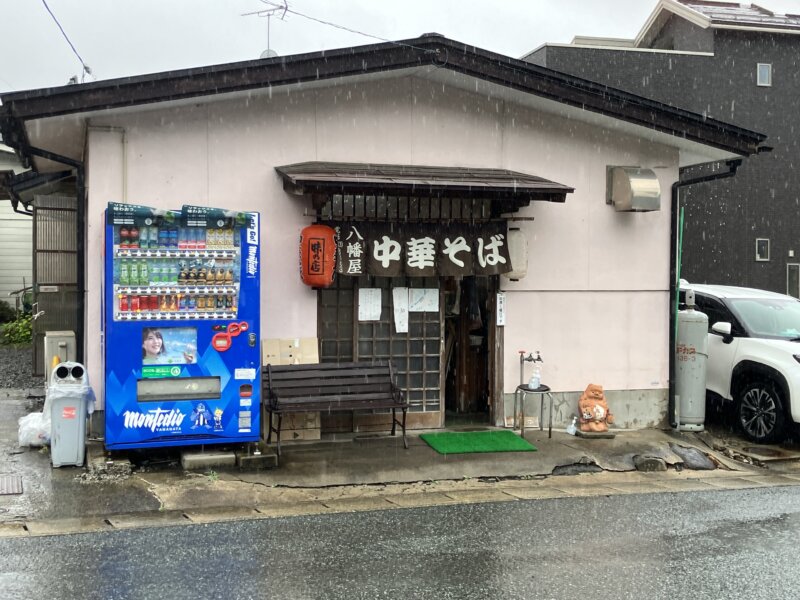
(712, 3)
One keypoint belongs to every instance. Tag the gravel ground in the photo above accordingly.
(16, 368)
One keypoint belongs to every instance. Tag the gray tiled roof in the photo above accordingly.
(748, 15)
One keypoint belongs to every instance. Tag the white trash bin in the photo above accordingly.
(70, 396)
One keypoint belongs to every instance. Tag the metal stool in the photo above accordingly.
(521, 392)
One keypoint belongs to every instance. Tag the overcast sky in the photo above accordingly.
(118, 38)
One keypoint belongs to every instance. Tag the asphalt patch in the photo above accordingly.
(693, 458)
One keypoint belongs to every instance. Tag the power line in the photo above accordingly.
(285, 7)
(86, 68)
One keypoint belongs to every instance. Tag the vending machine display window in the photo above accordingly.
(165, 268)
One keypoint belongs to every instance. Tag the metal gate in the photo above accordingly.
(55, 271)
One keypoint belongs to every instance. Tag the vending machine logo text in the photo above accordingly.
(252, 261)
(252, 230)
(158, 419)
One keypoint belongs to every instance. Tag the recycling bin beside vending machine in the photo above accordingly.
(68, 394)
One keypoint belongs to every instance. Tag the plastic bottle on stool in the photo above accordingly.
(536, 379)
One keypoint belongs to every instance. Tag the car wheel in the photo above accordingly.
(760, 412)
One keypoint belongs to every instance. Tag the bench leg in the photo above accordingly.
(269, 430)
(405, 440)
(394, 420)
(278, 433)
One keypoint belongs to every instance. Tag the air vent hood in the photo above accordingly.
(632, 189)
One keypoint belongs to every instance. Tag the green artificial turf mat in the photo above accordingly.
(467, 442)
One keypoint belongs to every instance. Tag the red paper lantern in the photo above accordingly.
(317, 255)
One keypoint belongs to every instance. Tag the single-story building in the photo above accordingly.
(394, 143)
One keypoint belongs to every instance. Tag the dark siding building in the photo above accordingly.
(704, 57)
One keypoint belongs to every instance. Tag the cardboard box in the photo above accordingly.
(300, 426)
(270, 352)
(294, 426)
(296, 421)
(290, 351)
(294, 435)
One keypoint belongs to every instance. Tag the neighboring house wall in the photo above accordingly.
(679, 34)
(723, 218)
(16, 239)
(596, 292)
(16, 266)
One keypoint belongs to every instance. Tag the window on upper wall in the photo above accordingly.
(764, 74)
(762, 249)
(793, 279)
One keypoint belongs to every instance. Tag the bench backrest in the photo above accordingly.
(329, 379)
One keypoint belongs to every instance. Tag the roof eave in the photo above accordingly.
(425, 51)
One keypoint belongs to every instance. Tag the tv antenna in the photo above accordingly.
(275, 8)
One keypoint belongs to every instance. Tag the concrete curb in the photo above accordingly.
(586, 485)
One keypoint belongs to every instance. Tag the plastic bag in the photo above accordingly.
(34, 429)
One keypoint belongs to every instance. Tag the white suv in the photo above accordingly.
(753, 356)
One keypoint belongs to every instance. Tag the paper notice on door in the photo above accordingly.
(423, 300)
(369, 304)
(400, 304)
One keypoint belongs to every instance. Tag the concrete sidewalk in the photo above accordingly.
(349, 473)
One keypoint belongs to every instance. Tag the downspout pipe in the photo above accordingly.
(80, 234)
(733, 165)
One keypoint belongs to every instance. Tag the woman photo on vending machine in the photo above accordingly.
(153, 347)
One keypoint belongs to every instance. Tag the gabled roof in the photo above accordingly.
(717, 15)
(427, 55)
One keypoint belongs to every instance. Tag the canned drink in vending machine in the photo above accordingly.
(124, 304)
(135, 304)
(153, 305)
(163, 238)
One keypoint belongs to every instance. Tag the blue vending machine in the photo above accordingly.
(181, 326)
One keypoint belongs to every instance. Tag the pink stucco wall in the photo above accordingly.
(595, 298)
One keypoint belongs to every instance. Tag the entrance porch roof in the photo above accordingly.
(508, 190)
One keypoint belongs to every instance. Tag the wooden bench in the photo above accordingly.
(331, 387)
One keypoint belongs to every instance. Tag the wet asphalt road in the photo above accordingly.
(727, 544)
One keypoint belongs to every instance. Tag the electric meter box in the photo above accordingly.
(59, 344)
